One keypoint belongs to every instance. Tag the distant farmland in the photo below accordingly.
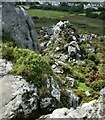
(83, 23)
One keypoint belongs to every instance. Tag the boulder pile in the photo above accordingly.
(64, 36)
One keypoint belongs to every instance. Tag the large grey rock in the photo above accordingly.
(17, 24)
(59, 112)
(22, 100)
(87, 110)
(18, 98)
(50, 95)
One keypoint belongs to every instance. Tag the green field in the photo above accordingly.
(80, 21)
(47, 13)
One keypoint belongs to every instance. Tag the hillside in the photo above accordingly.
(75, 59)
(58, 73)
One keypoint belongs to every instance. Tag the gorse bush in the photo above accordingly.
(27, 64)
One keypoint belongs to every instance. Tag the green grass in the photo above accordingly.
(47, 13)
(87, 24)
(84, 24)
(83, 87)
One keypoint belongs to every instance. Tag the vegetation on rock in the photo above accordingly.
(70, 65)
(27, 63)
(86, 71)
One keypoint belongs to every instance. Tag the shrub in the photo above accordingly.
(95, 95)
(65, 99)
(27, 64)
(79, 76)
(90, 13)
(66, 69)
(94, 15)
(83, 98)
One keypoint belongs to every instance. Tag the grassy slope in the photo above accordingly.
(84, 24)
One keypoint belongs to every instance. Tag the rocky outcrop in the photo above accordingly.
(94, 109)
(22, 100)
(18, 99)
(63, 42)
(64, 36)
(68, 53)
(17, 24)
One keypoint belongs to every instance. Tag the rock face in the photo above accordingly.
(49, 94)
(66, 46)
(22, 100)
(17, 97)
(94, 109)
(19, 26)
